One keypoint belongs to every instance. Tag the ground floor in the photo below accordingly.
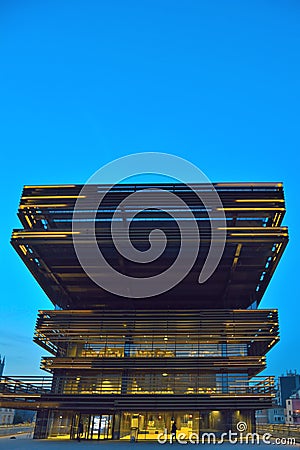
(139, 425)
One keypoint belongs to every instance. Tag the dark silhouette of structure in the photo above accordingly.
(288, 385)
(2, 364)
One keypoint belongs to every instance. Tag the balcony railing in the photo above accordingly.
(25, 386)
(147, 384)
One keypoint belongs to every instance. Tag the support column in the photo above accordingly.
(116, 425)
(228, 420)
(41, 429)
(253, 421)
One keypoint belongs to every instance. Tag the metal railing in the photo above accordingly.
(146, 383)
(25, 386)
(280, 430)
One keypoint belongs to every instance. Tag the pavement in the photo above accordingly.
(25, 442)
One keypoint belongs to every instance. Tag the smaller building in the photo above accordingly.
(293, 409)
(7, 416)
(273, 415)
(288, 385)
(261, 416)
(276, 415)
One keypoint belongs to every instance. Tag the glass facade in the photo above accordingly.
(144, 425)
(154, 383)
(152, 347)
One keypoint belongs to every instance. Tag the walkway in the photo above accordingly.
(25, 443)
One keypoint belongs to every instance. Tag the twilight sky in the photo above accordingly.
(82, 83)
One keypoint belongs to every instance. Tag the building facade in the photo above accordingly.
(273, 415)
(6, 414)
(125, 367)
(293, 409)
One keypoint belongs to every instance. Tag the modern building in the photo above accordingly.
(124, 366)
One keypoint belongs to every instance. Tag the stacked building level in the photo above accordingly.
(125, 367)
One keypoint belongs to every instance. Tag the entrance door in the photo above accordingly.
(106, 426)
(100, 426)
(95, 426)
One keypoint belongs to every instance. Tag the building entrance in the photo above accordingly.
(94, 426)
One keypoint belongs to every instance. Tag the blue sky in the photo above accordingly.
(82, 83)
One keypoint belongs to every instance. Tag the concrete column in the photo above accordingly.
(42, 424)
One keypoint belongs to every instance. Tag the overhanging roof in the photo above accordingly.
(255, 243)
